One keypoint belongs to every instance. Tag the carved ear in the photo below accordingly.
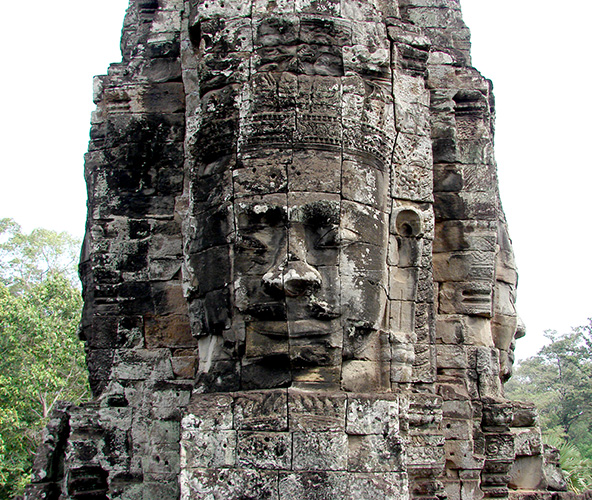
(407, 222)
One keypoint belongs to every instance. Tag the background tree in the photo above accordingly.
(559, 381)
(41, 359)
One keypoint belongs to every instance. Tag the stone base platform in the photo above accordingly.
(295, 444)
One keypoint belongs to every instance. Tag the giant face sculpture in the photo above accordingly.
(292, 160)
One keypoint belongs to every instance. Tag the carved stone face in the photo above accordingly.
(309, 272)
(506, 324)
(292, 183)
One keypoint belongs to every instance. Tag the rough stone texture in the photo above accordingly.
(297, 274)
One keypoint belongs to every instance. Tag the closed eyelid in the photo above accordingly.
(247, 241)
(348, 236)
(329, 239)
(335, 236)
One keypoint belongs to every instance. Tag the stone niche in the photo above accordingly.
(298, 281)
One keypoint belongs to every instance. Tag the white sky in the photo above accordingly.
(535, 51)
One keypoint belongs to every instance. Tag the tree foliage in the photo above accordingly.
(577, 469)
(41, 359)
(559, 381)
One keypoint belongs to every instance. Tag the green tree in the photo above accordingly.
(41, 359)
(577, 469)
(26, 259)
(559, 381)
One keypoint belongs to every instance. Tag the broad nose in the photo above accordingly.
(292, 278)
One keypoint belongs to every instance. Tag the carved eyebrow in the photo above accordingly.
(260, 212)
(320, 213)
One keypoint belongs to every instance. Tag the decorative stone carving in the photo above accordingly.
(297, 274)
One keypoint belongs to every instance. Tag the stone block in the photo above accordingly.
(217, 8)
(424, 364)
(414, 151)
(468, 297)
(454, 388)
(266, 373)
(505, 298)
(162, 462)
(325, 485)
(169, 398)
(424, 410)
(405, 251)
(320, 451)
(412, 118)
(151, 490)
(449, 329)
(457, 428)
(455, 409)
(367, 345)
(264, 450)
(261, 410)
(332, 31)
(503, 329)
(229, 484)
(208, 449)
(316, 411)
(451, 356)
(370, 224)
(259, 345)
(525, 414)
(184, 367)
(461, 455)
(375, 453)
(316, 378)
(164, 432)
(499, 447)
(41, 491)
(478, 331)
(470, 489)
(412, 182)
(363, 183)
(464, 266)
(527, 441)
(365, 376)
(260, 180)
(464, 206)
(315, 171)
(452, 489)
(402, 315)
(142, 364)
(378, 486)
(372, 415)
(459, 235)
(498, 416)
(426, 455)
(527, 473)
(171, 331)
(403, 283)
(208, 412)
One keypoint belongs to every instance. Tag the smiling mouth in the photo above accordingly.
(276, 311)
(271, 311)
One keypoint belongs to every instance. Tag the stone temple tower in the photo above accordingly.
(297, 274)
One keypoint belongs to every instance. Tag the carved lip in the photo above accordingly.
(277, 311)
(302, 328)
(312, 328)
(270, 311)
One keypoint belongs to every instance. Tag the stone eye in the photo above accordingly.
(245, 242)
(329, 238)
